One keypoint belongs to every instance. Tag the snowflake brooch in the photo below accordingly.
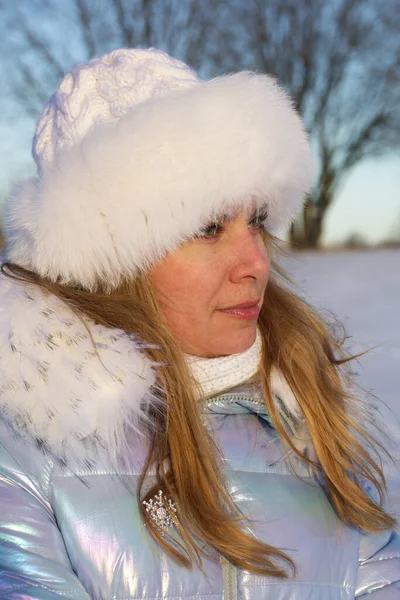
(159, 514)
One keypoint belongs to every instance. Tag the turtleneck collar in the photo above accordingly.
(215, 375)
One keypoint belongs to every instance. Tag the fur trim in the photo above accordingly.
(289, 408)
(281, 389)
(134, 190)
(54, 389)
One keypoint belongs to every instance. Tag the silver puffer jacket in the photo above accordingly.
(69, 520)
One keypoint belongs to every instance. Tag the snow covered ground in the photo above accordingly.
(362, 288)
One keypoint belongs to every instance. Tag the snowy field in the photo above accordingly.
(362, 288)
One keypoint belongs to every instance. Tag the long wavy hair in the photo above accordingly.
(297, 340)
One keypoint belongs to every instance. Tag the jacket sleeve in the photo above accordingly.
(379, 567)
(34, 563)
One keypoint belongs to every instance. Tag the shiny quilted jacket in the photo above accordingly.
(75, 531)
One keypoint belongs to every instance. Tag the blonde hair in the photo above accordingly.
(298, 341)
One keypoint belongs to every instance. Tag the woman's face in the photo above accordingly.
(199, 285)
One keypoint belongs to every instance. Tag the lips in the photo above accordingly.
(248, 311)
(247, 304)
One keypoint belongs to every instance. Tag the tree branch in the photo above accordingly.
(86, 26)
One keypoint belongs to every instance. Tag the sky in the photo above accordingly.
(368, 204)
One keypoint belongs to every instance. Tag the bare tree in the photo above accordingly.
(41, 39)
(340, 61)
(355, 241)
(393, 236)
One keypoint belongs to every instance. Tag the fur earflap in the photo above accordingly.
(62, 387)
(131, 191)
(291, 413)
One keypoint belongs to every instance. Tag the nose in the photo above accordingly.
(248, 257)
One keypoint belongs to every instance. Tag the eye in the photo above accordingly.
(210, 231)
(259, 219)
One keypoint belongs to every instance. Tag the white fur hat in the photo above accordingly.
(135, 154)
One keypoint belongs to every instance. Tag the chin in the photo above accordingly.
(236, 342)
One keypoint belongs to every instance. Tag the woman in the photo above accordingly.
(176, 422)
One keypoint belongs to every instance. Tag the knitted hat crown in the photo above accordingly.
(135, 154)
(102, 91)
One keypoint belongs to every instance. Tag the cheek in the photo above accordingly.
(184, 286)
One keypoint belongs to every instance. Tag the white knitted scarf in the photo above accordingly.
(217, 374)
(214, 375)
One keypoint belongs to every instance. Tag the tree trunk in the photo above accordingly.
(307, 229)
